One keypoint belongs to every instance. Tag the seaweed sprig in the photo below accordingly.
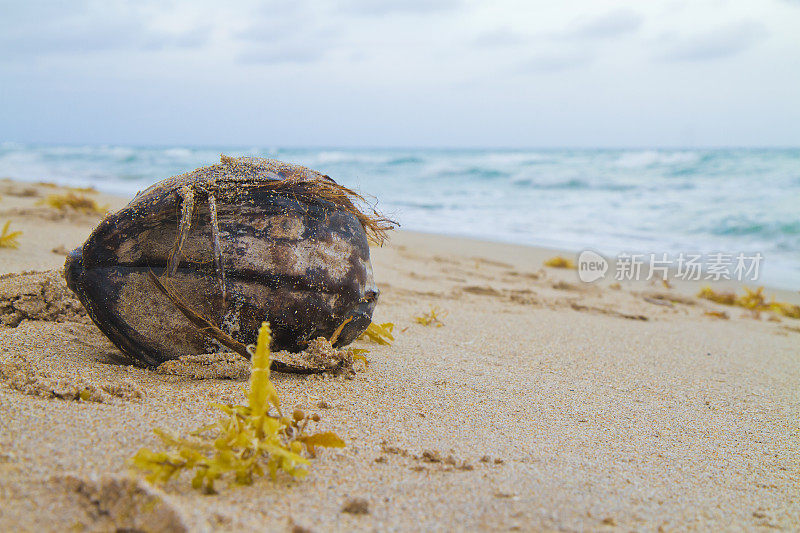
(9, 240)
(246, 443)
(752, 299)
(560, 262)
(724, 298)
(77, 202)
(379, 333)
(87, 190)
(431, 318)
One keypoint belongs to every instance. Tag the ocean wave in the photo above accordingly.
(472, 172)
(99, 151)
(545, 182)
(11, 145)
(739, 227)
(178, 153)
(511, 158)
(339, 157)
(419, 204)
(539, 183)
(405, 160)
(648, 158)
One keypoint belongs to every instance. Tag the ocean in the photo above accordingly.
(729, 201)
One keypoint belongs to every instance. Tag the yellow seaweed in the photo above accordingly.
(9, 240)
(724, 298)
(78, 202)
(560, 262)
(89, 190)
(752, 300)
(262, 392)
(379, 333)
(248, 443)
(431, 318)
(785, 309)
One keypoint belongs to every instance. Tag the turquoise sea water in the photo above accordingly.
(642, 200)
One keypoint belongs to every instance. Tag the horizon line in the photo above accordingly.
(267, 147)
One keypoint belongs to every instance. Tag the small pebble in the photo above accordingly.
(356, 506)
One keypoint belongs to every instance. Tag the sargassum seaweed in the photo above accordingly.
(244, 444)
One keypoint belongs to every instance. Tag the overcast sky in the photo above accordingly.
(447, 73)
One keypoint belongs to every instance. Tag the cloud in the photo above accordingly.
(609, 25)
(293, 38)
(266, 33)
(499, 37)
(26, 33)
(719, 43)
(385, 7)
(293, 52)
(556, 62)
(606, 26)
(192, 38)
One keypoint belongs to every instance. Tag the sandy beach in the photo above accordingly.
(542, 403)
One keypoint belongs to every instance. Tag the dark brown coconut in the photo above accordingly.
(236, 243)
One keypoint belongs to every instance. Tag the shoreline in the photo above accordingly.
(564, 405)
(49, 229)
(535, 255)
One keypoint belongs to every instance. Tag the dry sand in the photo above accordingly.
(564, 406)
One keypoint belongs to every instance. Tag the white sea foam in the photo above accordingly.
(646, 158)
(178, 153)
(354, 157)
